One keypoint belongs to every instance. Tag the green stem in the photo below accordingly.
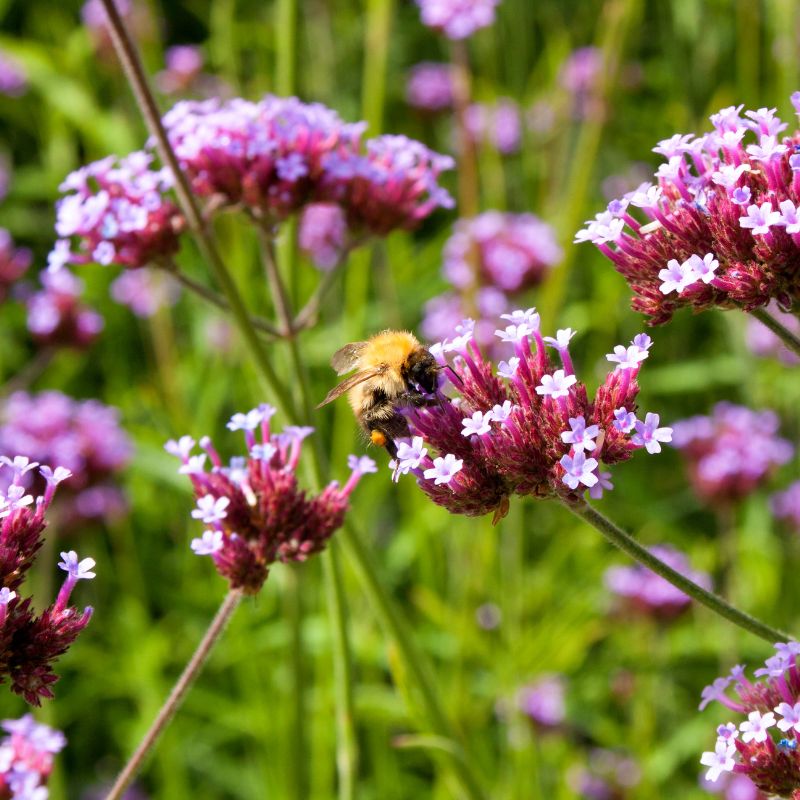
(132, 65)
(784, 334)
(298, 745)
(192, 670)
(285, 46)
(377, 34)
(714, 602)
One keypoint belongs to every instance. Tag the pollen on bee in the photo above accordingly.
(377, 438)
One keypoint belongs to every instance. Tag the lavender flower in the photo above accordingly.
(254, 509)
(26, 757)
(733, 786)
(499, 124)
(430, 86)
(785, 505)
(764, 747)
(118, 212)
(543, 701)
(513, 251)
(184, 65)
(83, 436)
(717, 195)
(445, 312)
(13, 80)
(28, 643)
(56, 316)
(323, 234)
(643, 592)
(14, 262)
(457, 19)
(523, 452)
(145, 291)
(730, 453)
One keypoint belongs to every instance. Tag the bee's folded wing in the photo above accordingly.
(350, 382)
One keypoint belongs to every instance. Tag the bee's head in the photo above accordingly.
(421, 369)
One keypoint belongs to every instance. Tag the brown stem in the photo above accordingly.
(177, 694)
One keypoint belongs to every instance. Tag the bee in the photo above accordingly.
(392, 370)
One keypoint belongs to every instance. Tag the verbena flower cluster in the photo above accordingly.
(56, 315)
(144, 291)
(183, 70)
(117, 211)
(83, 436)
(722, 226)
(430, 86)
(525, 427)
(279, 154)
(644, 593)
(28, 643)
(14, 262)
(255, 511)
(731, 452)
(785, 505)
(764, 747)
(457, 19)
(26, 758)
(543, 701)
(499, 124)
(513, 251)
(322, 234)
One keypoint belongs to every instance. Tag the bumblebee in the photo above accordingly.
(392, 370)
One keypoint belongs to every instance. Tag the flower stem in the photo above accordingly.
(625, 542)
(132, 66)
(177, 694)
(261, 325)
(784, 334)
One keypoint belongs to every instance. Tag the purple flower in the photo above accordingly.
(730, 453)
(14, 262)
(579, 469)
(145, 291)
(718, 761)
(13, 80)
(649, 435)
(785, 505)
(478, 424)
(642, 592)
(698, 210)
(513, 251)
(323, 234)
(457, 19)
(444, 469)
(579, 436)
(499, 123)
(556, 385)
(184, 65)
(430, 87)
(257, 512)
(26, 757)
(543, 701)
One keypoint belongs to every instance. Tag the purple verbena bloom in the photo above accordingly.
(257, 513)
(323, 234)
(430, 86)
(785, 505)
(649, 435)
(500, 124)
(457, 19)
(26, 758)
(13, 80)
(731, 452)
(145, 291)
(14, 262)
(543, 701)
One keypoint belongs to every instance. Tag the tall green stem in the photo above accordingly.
(714, 602)
(784, 334)
(377, 31)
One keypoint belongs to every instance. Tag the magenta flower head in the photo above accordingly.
(719, 228)
(785, 506)
(254, 511)
(730, 453)
(117, 212)
(83, 436)
(543, 701)
(395, 185)
(26, 757)
(28, 643)
(145, 290)
(642, 592)
(500, 124)
(430, 86)
(266, 155)
(457, 19)
(732, 786)
(323, 234)
(764, 747)
(184, 64)
(14, 262)
(513, 251)
(524, 427)
(56, 316)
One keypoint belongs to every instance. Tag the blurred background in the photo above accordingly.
(564, 681)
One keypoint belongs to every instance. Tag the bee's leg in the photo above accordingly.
(417, 399)
(380, 439)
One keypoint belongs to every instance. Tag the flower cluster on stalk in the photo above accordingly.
(29, 643)
(14, 263)
(26, 758)
(457, 19)
(721, 225)
(526, 426)
(764, 747)
(499, 123)
(785, 505)
(279, 154)
(254, 508)
(118, 212)
(430, 86)
(642, 592)
(731, 452)
(83, 436)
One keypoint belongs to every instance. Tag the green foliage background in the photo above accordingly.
(631, 685)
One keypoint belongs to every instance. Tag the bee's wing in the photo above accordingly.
(346, 358)
(349, 383)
